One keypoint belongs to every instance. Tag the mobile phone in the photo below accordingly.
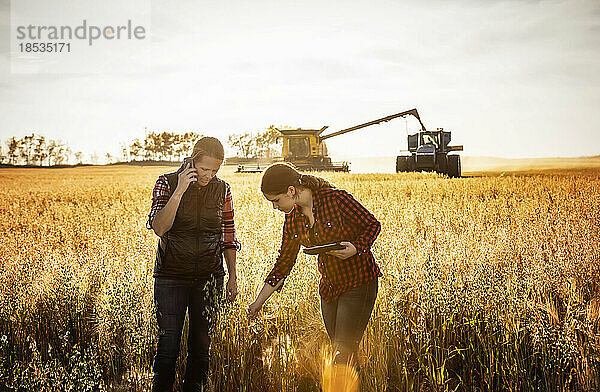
(315, 250)
(189, 161)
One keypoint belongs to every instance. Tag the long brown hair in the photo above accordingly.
(208, 146)
(279, 176)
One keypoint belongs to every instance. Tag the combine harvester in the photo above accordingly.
(427, 150)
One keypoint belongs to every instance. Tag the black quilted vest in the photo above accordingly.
(192, 247)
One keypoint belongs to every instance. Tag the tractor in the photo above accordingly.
(429, 151)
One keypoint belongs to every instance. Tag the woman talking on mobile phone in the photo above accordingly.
(192, 213)
(318, 213)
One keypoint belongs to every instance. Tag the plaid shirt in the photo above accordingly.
(160, 197)
(338, 217)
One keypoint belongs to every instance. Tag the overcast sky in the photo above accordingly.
(508, 78)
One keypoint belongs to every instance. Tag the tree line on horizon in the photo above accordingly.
(37, 150)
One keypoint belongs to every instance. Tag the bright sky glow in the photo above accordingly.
(509, 78)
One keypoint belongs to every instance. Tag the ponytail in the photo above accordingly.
(313, 182)
(279, 176)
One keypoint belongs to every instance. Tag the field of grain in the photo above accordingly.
(490, 283)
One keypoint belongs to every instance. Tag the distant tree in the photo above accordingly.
(78, 157)
(180, 149)
(61, 153)
(13, 148)
(68, 153)
(25, 147)
(148, 148)
(109, 158)
(94, 158)
(124, 152)
(266, 142)
(243, 143)
(154, 145)
(135, 149)
(163, 145)
(51, 149)
(187, 141)
(34, 150)
(260, 145)
(53, 152)
(166, 145)
(40, 150)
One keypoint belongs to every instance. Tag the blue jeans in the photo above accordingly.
(346, 319)
(172, 298)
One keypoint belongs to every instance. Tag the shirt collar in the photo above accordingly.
(316, 194)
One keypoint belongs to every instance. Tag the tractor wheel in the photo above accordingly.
(454, 165)
(412, 163)
(401, 164)
(442, 163)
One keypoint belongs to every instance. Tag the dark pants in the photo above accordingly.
(172, 298)
(346, 319)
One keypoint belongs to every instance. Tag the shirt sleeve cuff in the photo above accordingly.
(273, 280)
(235, 244)
(149, 222)
(361, 248)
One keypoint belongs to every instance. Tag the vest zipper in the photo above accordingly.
(197, 253)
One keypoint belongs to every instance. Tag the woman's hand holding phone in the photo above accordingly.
(188, 175)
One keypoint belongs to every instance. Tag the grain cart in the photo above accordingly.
(429, 151)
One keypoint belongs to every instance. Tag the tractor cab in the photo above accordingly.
(438, 139)
(299, 146)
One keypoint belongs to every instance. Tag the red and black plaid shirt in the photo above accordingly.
(338, 217)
